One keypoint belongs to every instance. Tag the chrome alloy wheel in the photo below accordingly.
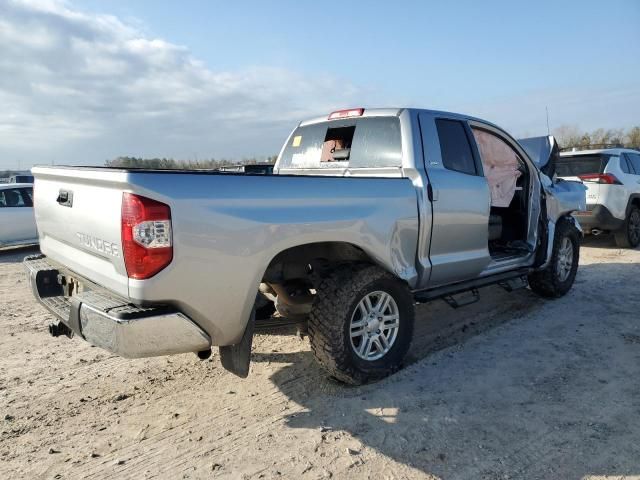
(374, 325)
(565, 259)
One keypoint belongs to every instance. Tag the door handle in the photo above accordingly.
(65, 198)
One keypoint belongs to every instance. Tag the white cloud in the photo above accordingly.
(81, 88)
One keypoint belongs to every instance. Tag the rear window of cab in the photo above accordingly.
(367, 142)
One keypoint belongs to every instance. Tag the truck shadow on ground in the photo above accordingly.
(543, 394)
(605, 241)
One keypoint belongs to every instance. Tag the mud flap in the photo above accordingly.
(237, 358)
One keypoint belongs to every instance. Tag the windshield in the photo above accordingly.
(354, 143)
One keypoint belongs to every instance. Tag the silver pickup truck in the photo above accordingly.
(368, 212)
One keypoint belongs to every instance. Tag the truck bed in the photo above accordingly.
(226, 230)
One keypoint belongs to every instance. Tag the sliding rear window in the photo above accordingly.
(581, 165)
(354, 143)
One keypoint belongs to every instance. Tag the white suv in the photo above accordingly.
(612, 177)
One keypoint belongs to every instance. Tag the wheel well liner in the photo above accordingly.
(299, 261)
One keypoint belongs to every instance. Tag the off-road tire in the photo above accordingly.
(624, 237)
(337, 297)
(547, 282)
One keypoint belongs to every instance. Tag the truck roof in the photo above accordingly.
(394, 112)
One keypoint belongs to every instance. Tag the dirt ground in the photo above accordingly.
(510, 387)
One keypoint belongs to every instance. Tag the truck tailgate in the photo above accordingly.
(78, 217)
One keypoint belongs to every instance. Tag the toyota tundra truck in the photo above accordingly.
(367, 213)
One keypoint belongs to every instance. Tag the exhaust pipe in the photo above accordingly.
(596, 231)
(204, 354)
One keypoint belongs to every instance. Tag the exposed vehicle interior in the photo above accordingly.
(337, 144)
(508, 180)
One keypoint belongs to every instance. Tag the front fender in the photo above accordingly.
(552, 231)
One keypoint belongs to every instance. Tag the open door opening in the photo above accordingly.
(509, 183)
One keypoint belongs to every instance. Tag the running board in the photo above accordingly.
(508, 280)
(462, 299)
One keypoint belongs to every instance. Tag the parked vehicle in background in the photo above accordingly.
(17, 222)
(21, 179)
(368, 212)
(254, 168)
(612, 177)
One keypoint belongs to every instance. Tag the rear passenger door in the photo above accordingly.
(460, 200)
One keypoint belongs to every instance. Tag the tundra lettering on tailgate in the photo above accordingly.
(99, 245)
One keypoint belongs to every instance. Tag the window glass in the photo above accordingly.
(11, 197)
(572, 166)
(634, 159)
(625, 165)
(376, 143)
(454, 147)
(27, 196)
(354, 143)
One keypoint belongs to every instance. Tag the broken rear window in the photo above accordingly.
(354, 143)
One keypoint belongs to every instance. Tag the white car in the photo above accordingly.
(17, 222)
(612, 177)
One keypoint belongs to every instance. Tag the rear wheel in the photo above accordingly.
(361, 323)
(558, 277)
(629, 235)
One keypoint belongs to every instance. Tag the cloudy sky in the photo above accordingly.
(82, 82)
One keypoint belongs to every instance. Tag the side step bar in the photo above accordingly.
(508, 280)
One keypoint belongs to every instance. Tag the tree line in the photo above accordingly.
(569, 136)
(173, 164)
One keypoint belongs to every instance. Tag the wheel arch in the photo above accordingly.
(552, 228)
(299, 260)
(634, 201)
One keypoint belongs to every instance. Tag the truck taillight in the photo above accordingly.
(146, 236)
(605, 178)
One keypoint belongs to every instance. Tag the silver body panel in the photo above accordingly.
(227, 228)
(539, 149)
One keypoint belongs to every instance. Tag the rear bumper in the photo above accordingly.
(600, 217)
(111, 322)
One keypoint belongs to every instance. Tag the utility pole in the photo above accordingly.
(547, 110)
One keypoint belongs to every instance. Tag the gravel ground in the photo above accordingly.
(510, 387)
